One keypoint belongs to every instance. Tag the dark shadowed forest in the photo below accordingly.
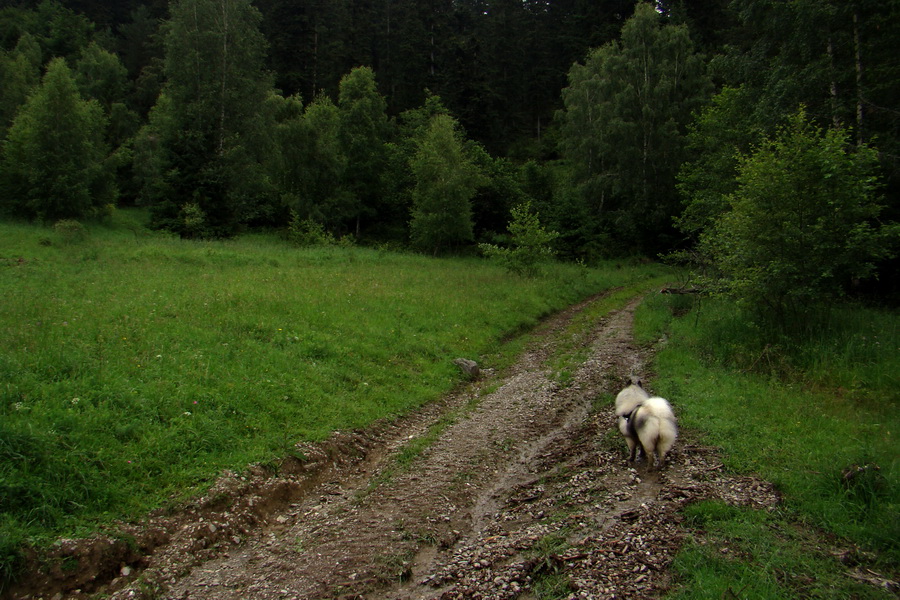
(725, 133)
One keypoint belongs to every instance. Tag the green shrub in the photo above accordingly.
(70, 231)
(801, 226)
(192, 221)
(307, 232)
(530, 243)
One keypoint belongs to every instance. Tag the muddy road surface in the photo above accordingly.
(514, 487)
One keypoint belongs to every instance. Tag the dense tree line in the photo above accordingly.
(629, 127)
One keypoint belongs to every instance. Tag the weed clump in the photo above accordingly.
(69, 232)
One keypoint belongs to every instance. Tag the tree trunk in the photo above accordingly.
(224, 75)
(835, 118)
(859, 98)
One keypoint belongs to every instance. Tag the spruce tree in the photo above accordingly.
(54, 157)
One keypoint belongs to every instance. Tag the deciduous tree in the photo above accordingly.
(626, 113)
(445, 180)
(215, 131)
(363, 134)
(20, 72)
(801, 226)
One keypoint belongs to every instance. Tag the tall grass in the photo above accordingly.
(135, 366)
(816, 415)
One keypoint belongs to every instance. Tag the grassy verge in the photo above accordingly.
(135, 367)
(817, 417)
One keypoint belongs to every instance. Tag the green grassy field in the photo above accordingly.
(135, 367)
(816, 416)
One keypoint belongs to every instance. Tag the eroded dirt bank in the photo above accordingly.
(525, 486)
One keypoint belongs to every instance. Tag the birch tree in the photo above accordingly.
(623, 126)
(216, 129)
(446, 180)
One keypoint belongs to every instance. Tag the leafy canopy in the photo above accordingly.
(445, 182)
(801, 226)
(623, 125)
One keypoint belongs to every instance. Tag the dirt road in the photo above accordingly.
(521, 491)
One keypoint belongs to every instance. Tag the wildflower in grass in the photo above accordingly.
(75, 400)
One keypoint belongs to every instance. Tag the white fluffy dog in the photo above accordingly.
(648, 424)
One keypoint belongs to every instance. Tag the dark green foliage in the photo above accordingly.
(837, 57)
(59, 30)
(626, 113)
(11, 545)
(20, 71)
(210, 124)
(500, 190)
(717, 137)
(498, 64)
(54, 158)
(101, 76)
(446, 180)
(304, 233)
(363, 131)
(801, 226)
(398, 180)
(308, 163)
(530, 243)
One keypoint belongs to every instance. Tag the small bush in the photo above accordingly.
(70, 231)
(307, 232)
(801, 226)
(192, 221)
(530, 243)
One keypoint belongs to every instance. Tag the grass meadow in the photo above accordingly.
(817, 416)
(135, 367)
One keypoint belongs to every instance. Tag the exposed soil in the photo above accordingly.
(526, 486)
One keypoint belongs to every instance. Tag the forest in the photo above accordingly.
(733, 135)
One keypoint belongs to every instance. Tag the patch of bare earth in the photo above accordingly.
(524, 487)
